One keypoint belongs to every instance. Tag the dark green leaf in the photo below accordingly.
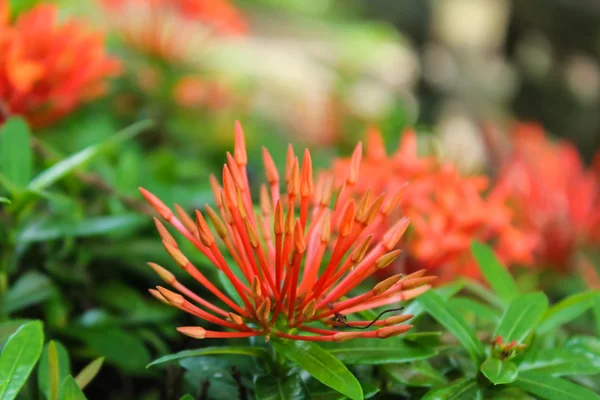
(288, 388)
(596, 311)
(499, 372)
(548, 387)
(560, 362)
(64, 368)
(118, 346)
(479, 310)
(32, 288)
(321, 365)
(415, 374)
(495, 273)
(449, 318)
(89, 372)
(522, 316)
(462, 389)
(50, 230)
(377, 351)
(445, 292)
(19, 356)
(53, 371)
(187, 397)
(567, 310)
(4, 200)
(69, 390)
(241, 350)
(69, 164)
(16, 156)
(319, 391)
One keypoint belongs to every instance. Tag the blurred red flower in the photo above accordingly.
(286, 285)
(172, 29)
(47, 69)
(447, 211)
(553, 195)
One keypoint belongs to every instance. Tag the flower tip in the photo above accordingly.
(172, 297)
(156, 203)
(165, 275)
(387, 259)
(386, 284)
(239, 149)
(192, 331)
(390, 331)
(164, 233)
(391, 238)
(156, 294)
(176, 254)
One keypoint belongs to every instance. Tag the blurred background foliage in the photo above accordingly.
(314, 73)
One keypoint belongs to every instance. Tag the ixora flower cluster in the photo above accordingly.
(554, 198)
(287, 286)
(172, 29)
(47, 69)
(447, 210)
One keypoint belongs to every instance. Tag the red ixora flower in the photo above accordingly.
(287, 287)
(447, 210)
(47, 69)
(172, 29)
(554, 197)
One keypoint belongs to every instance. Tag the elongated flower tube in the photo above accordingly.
(284, 283)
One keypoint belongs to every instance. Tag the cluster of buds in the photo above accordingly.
(48, 69)
(506, 351)
(285, 284)
(448, 211)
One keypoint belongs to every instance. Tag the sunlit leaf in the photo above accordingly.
(495, 273)
(548, 387)
(69, 390)
(522, 316)
(45, 370)
(567, 310)
(499, 372)
(321, 365)
(377, 351)
(16, 155)
(89, 372)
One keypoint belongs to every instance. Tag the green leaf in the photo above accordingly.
(548, 387)
(7, 328)
(596, 311)
(4, 200)
(321, 365)
(19, 356)
(62, 370)
(462, 389)
(377, 351)
(89, 372)
(31, 289)
(16, 156)
(69, 390)
(522, 316)
(560, 362)
(187, 397)
(420, 374)
(451, 320)
(499, 372)
(588, 346)
(495, 273)
(45, 230)
(288, 388)
(53, 371)
(479, 310)
(241, 350)
(319, 391)
(118, 346)
(69, 164)
(567, 310)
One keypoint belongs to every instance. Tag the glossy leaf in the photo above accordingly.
(445, 292)
(567, 310)
(548, 387)
(479, 310)
(495, 273)
(187, 397)
(439, 309)
(319, 391)
(560, 362)
(69, 390)
(30, 289)
(4, 200)
(16, 155)
(241, 350)
(499, 372)
(7, 328)
(522, 316)
(19, 357)
(53, 371)
(420, 374)
(377, 351)
(462, 389)
(588, 346)
(321, 365)
(45, 370)
(89, 372)
(290, 387)
(71, 163)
